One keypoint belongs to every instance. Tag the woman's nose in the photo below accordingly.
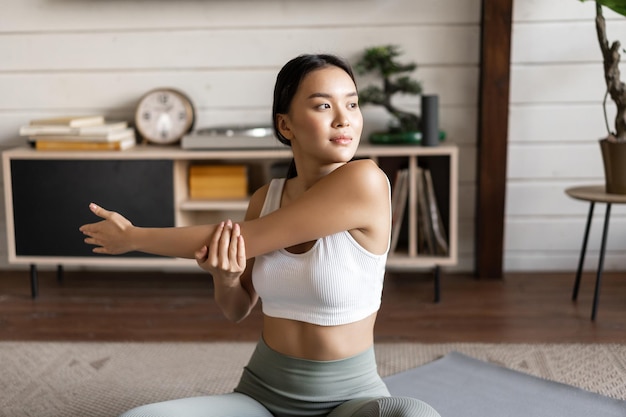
(341, 120)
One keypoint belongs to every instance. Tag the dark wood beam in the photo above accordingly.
(492, 136)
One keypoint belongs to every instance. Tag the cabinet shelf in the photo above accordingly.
(214, 205)
(405, 262)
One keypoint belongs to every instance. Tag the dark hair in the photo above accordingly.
(288, 81)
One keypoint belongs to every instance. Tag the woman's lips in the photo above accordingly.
(342, 139)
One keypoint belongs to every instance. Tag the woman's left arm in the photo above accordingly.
(352, 197)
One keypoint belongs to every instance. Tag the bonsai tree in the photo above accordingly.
(611, 57)
(382, 61)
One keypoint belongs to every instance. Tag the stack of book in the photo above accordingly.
(218, 181)
(79, 133)
(431, 234)
(399, 196)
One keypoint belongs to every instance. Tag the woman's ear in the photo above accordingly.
(282, 122)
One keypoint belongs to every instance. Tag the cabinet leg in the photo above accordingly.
(34, 281)
(581, 260)
(60, 274)
(437, 275)
(605, 232)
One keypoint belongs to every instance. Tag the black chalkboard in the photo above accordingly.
(51, 198)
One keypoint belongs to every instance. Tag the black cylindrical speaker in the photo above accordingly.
(430, 120)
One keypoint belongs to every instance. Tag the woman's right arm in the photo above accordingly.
(115, 234)
(224, 257)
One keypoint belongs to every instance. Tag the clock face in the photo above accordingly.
(164, 115)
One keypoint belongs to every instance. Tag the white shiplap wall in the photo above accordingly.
(71, 56)
(555, 121)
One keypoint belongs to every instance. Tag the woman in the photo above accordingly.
(313, 247)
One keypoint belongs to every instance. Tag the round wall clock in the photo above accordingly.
(164, 116)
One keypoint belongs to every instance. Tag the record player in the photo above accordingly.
(232, 137)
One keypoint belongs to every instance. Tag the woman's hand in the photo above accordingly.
(225, 257)
(111, 235)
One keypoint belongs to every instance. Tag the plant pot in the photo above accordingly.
(614, 158)
(400, 138)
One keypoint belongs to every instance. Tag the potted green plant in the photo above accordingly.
(614, 145)
(404, 126)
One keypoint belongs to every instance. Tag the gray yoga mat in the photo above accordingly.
(460, 386)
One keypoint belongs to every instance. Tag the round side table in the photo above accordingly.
(594, 194)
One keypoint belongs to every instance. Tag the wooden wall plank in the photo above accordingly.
(562, 42)
(213, 49)
(207, 88)
(45, 15)
(579, 162)
(564, 124)
(454, 121)
(554, 83)
(556, 10)
(547, 199)
(459, 123)
(563, 234)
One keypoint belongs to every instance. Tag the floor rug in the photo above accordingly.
(460, 386)
(53, 379)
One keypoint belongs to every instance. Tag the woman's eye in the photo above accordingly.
(323, 106)
(353, 105)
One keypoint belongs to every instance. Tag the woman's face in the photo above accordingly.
(324, 121)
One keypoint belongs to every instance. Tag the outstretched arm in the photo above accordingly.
(353, 197)
(115, 234)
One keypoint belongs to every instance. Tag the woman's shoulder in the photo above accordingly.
(364, 173)
(365, 165)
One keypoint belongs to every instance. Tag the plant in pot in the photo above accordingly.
(404, 126)
(614, 145)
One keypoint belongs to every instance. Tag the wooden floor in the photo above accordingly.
(154, 306)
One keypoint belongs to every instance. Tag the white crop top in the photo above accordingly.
(336, 282)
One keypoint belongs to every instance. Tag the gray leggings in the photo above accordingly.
(273, 384)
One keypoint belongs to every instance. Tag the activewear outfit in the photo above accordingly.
(336, 282)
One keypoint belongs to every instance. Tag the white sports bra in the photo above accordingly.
(336, 282)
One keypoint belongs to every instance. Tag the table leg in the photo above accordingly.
(581, 260)
(605, 232)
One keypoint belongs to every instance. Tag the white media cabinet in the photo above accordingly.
(47, 195)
